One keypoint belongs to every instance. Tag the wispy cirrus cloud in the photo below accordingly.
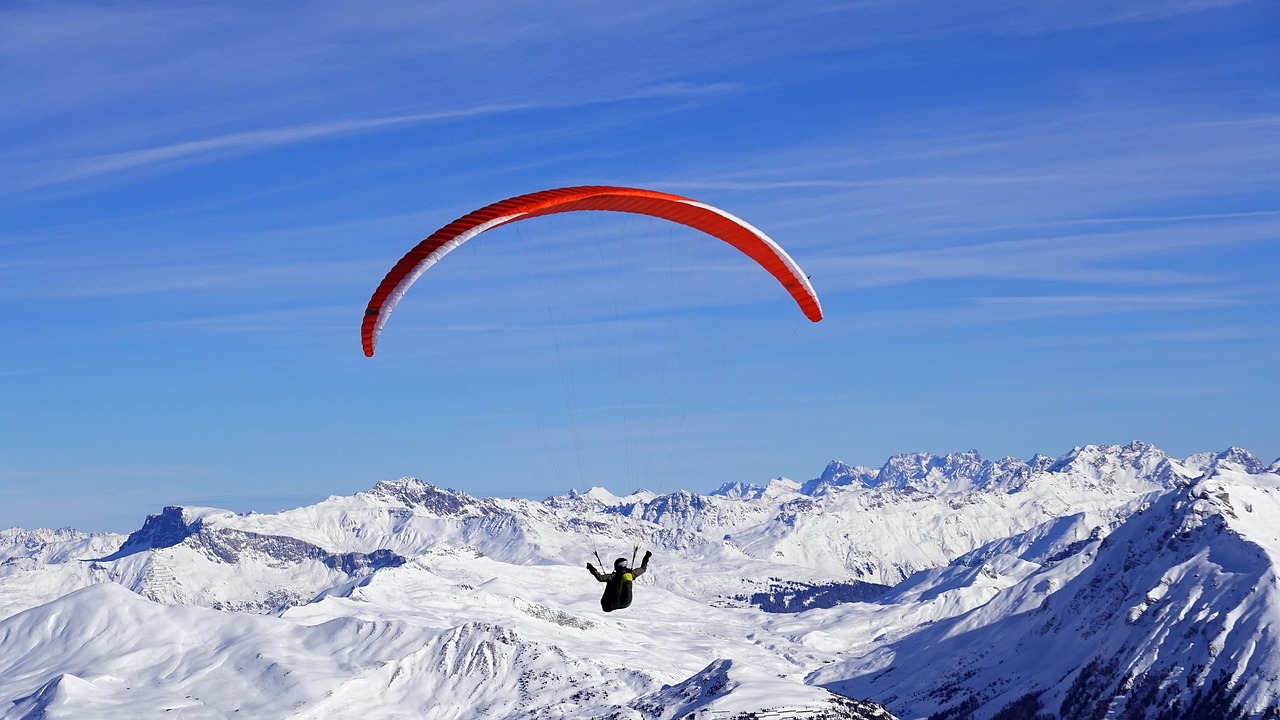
(1131, 195)
(255, 140)
(1063, 16)
(92, 280)
(996, 313)
(1110, 303)
(1137, 257)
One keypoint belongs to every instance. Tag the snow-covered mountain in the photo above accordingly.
(37, 566)
(1114, 581)
(1171, 615)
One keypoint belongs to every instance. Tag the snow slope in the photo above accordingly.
(37, 566)
(1132, 579)
(1173, 612)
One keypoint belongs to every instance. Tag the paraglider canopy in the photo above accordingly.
(710, 220)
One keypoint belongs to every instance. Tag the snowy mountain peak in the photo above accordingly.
(1234, 458)
(781, 486)
(165, 529)
(414, 493)
(169, 527)
(738, 490)
(924, 471)
(838, 474)
(600, 495)
(51, 545)
(1125, 580)
(1040, 462)
(777, 487)
(1096, 459)
(1158, 616)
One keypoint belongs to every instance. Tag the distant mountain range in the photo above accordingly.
(1110, 582)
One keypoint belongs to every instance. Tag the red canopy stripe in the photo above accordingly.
(685, 211)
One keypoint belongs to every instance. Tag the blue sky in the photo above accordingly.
(1031, 225)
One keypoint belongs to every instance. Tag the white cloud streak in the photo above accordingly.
(252, 140)
(1105, 258)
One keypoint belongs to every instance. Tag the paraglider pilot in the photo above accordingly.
(617, 589)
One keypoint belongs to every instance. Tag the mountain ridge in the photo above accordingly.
(408, 598)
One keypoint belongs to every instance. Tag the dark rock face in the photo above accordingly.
(793, 597)
(230, 546)
(169, 528)
(352, 563)
(174, 528)
(166, 529)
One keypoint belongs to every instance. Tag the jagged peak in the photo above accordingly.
(672, 508)
(1139, 459)
(837, 469)
(926, 471)
(738, 491)
(573, 498)
(1115, 463)
(1144, 582)
(414, 493)
(1199, 462)
(1040, 461)
(1135, 448)
(836, 474)
(776, 487)
(406, 484)
(41, 536)
(1235, 458)
(966, 471)
(601, 496)
(160, 530)
(642, 494)
(678, 499)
